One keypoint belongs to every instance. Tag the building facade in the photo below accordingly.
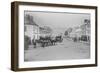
(82, 30)
(31, 29)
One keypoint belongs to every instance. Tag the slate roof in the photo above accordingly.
(28, 20)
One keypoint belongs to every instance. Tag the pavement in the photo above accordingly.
(67, 50)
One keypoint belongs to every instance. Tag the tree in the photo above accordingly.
(47, 29)
(69, 30)
(27, 42)
(66, 33)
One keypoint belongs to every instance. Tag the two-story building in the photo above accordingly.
(31, 29)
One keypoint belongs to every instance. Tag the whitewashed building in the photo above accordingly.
(30, 27)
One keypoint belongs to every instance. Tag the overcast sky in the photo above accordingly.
(58, 21)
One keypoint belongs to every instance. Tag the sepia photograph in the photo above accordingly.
(56, 36)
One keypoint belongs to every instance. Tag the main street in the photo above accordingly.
(66, 50)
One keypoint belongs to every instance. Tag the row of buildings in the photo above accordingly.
(82, 30)
(33, 30)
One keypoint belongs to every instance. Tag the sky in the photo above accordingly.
(59, 22)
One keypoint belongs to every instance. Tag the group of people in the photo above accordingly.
(82, 38)
(46, 41)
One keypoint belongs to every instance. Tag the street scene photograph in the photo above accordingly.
(51, 36)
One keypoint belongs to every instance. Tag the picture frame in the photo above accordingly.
(81, 30)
